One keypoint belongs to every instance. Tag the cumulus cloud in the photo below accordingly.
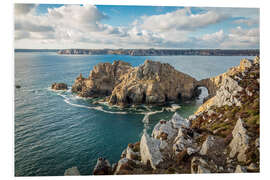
(181, 19)
(76, 26)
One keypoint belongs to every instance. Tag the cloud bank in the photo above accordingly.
(82, 26)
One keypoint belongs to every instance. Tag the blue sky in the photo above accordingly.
(88, 26)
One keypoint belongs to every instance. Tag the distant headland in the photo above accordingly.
(151, 52)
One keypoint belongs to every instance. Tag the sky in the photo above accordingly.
(52, 26)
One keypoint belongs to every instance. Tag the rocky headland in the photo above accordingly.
(121, 84)
(221, 137)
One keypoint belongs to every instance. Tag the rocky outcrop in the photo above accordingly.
(240, 142)
(102, 79)
(150, 83)
(72, 172)
(153, 83)
(103, 167)
(59, 86)
(150, 151)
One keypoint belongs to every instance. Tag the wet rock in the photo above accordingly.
(103, 167)
(59, 86)
(18, 86)
(72, 171)
(240, 142)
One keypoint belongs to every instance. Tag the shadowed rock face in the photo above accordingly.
(150, 83)
(102, 79)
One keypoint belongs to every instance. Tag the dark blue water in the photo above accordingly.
(56, 130)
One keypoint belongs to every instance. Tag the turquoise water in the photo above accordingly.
(56, 130)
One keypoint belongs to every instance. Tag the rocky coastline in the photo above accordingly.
(222, 136)
(162, 52)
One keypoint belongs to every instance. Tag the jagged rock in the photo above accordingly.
(153, 83)
(179, 121)
(102, 79)
(199, 165)
(183, 141)
(257, 143)
(240, 169)
(72, 171)
(256, 60)
(130, 154)
(59, 86)
(103, 167)
(125, 166)
(150, 151)
(214, 148)
(240, 142)
(164, 131)
(244, 64)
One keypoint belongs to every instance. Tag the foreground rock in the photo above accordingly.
(59, 86)
(150, 83)
(103, 167)
(72, 172)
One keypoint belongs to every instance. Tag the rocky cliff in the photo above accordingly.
(150, 83)
(223, 137)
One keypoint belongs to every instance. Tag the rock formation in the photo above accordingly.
(103, 167)
(59, 86)
(222, 138)
(72, 172)
(150, 83)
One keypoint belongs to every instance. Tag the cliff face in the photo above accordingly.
(150, 83)
(102, 79)
(222, 138)
(153, 83)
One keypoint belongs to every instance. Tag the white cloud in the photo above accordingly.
(181, 19)
(249, 22)
(75, 26)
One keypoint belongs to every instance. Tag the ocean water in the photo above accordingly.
(57, 130)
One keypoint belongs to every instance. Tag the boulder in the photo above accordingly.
(59, 86)
(199, 166)
(240, 142)
(164, 131)
(240, 169)
(73, 171)
(103, 167)
(179, 121)
(124, 166)
(150, 151)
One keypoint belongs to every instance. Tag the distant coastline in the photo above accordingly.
(151, 52)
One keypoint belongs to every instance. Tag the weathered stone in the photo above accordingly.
(164, 131)
(103, 167)
(240, 169)
(240, 142)
(252, 167)
(72, 171)
(59, 86)
(150, 151)
(130, 154)
(179, 121)
(199, 165)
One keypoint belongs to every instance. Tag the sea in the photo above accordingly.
(56, 130)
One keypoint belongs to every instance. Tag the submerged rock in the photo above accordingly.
(72, 171)
(59, 86)
(103, 167)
